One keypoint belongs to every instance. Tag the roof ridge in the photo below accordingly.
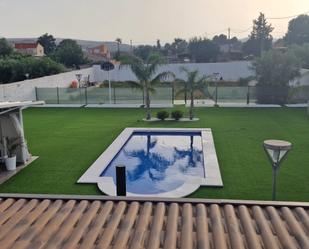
(156, 200)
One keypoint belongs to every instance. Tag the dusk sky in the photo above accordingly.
(143, 21)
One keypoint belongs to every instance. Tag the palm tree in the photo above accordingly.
(193, 83)
(194, 155)
(146, 74)
(148, 161)
(119, 41)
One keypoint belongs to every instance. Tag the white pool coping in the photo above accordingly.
(60, 106)
(107, 185)
(297, 105)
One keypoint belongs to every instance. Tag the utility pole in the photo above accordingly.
(131, 46)
(229, 41)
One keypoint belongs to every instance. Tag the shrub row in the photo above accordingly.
(177, 114)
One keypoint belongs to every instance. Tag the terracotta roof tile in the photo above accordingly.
(25, 45)
(105, 222)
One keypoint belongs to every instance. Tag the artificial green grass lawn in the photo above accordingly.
(69, 140)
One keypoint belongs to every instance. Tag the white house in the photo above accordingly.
(31, 48)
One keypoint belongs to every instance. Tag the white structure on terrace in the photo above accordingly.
(12, 130)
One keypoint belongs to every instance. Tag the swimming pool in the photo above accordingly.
(158, 161)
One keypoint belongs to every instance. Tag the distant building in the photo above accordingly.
(230, 52)
(178, 58)
(98, 53)
(280, 45)
(30, 48)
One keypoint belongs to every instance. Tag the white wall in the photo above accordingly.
(230, 71)
(25, 90)
(303, 80)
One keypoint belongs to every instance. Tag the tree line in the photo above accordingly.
(68, 54)
(15, 66)
(202, 49)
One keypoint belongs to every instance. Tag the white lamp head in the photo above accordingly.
(277, 150)
(78, 77)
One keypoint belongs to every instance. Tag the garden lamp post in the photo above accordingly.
(276, 151)
(216, 78)
(108, 66)
(79, 78)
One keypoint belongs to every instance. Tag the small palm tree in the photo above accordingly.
(119, 41)
(146, 74)
(193, 83)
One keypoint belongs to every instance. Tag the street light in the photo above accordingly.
(79, 78)
(276, 151)
(216, 78)
(108, 66)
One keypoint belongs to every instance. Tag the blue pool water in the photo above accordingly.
(159, 162)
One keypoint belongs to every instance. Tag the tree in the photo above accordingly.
(143, 51)
(194, 82)
(39, 67)
(260, 38)
(159, 44)
(179, 46)
(301, 52)
(298, 30)
(5, 47)
(220, 39)
(274, 70)
(48, 42)
(146, 74)
(223, 40)
(15, 68)
(203, 50)
(69, 53)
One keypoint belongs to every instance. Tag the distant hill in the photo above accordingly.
(112, 46)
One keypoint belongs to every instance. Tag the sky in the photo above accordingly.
(142, 21)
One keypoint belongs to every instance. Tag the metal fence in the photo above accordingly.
(247, 95)
(219, 94)
(97, 95)
(168, 95)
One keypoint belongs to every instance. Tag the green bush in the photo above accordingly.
(162, 115)
(274, 70)
(299, 94)
(272, 94)
(14, 68)
(177, 114)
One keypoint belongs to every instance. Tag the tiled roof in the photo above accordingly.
(25, 45)
(105, 222)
